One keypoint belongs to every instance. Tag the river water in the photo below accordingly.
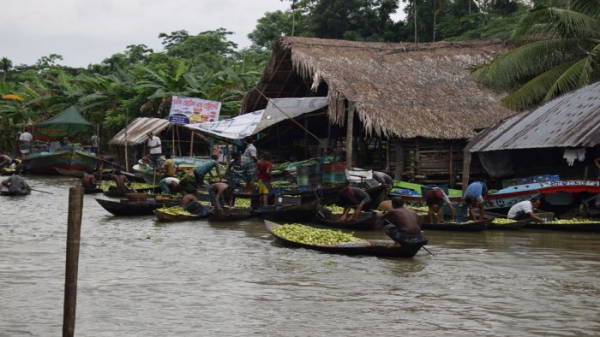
(141, 278)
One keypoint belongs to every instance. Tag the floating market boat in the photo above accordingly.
(126, 207)
(164, 215)
(556, 192)
(68, 124)
(366, 221)
(232, 214)
(566, 226)
(302, 212)
(366, 247)
(470, 226)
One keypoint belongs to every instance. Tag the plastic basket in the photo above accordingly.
(334, 177)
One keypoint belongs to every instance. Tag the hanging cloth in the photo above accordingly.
(570, 156)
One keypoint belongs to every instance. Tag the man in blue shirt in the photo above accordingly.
(204, 168)
(473, 197)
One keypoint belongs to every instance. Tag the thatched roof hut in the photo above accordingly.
(400, 90)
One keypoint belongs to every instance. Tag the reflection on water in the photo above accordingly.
(138, 277)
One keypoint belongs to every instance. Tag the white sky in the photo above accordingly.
(88, 31)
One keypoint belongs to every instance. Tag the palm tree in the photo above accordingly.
(558, 50)
(5, 65)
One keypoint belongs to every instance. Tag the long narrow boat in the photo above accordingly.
(566, 227)
(367, 247)
(513, 225)
(13, 194)
(125, 207)
(474, 226)
(295, 213)
(163, 216)
(232, 214)
(366, 221)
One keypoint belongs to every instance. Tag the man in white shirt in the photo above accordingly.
(154, 147)
(524, 209)
(25, 140)
(169, 185)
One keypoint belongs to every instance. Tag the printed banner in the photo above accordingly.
(188, 110)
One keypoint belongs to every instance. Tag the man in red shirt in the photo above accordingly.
(264, 179)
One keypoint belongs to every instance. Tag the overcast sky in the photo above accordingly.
(88, 31)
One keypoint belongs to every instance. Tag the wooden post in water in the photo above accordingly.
(72, 262)
(349, 132)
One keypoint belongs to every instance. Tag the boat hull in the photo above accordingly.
(371, 247)
(47, 163)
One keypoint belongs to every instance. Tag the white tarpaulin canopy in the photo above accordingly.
(251, 123)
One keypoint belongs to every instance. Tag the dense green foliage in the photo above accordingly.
(558, 50)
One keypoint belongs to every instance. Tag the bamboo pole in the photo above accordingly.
(349, 134)
(173, 140)
(126, 158)
(72, 261)
(306, 154)
(192, 145)
(451, 166)
(399, 152)
(178, 140)
(466, 170)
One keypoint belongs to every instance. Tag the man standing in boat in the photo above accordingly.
(403, 224)
(524, 209)
(352, 197)
(249, 162)
(154, 147)
(473, 197)
(435, 199)
(205, 168)
(169, 166)
(216, 193)
(25, 140)
(384, 179)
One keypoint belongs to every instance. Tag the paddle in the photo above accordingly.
(41, 191)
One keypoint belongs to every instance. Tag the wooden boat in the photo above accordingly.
(565, 227)
(93, 191)
(507, 226)
(13, 194)
(295, 213)
(163, 216)
(67, 159)
(366, 221)
(368, 247)
(475, 226)
(126, 207)
(7, 171)
(232, 214)
(502, 200)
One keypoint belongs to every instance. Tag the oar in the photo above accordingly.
(427, 250)
(41, 191)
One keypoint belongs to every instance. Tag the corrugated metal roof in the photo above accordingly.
(571, 120)
(135, 132)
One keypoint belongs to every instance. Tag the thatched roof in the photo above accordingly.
(401, 90)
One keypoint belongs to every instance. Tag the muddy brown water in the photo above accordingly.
(138, 277)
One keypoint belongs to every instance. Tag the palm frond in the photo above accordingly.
(535, 90)
(589, 7)
(527, 61)
(556, 22)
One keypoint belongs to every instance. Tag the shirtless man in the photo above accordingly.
(121, 180)
(191, 204)
(88, 181)
(403, 224)
(216, 194)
